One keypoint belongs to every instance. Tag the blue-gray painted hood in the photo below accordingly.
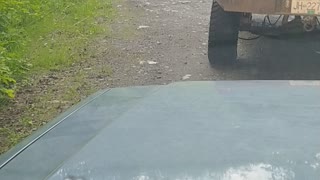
(244, 130)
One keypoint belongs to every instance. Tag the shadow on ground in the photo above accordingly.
(284, 58)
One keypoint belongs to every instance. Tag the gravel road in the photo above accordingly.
(171, 45)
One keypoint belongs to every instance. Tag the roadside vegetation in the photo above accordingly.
(40, 36)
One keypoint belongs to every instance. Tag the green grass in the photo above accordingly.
(41, 35)
(56, 41)
(60, 38)
(13, 137)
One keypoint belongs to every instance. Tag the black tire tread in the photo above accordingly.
(223, 36)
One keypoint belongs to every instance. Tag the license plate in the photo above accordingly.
(311, 7)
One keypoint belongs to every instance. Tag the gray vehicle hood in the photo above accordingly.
(243, 130)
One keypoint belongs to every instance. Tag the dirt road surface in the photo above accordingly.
(170, 45)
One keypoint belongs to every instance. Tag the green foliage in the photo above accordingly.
(14, 16)
(44, 34)
(6, 82)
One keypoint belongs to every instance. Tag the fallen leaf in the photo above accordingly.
(152, 62)
(188, 76)
(143, 27)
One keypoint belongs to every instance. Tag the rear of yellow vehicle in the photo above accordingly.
(228, 17)
(296, 7)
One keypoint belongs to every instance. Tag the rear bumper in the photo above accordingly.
(259, 6)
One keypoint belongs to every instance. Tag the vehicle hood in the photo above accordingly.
(233, 130)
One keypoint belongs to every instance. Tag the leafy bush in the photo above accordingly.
(14, 15)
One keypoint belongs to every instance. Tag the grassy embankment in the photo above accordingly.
(37, 37)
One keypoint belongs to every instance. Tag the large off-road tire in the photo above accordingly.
(223, 36)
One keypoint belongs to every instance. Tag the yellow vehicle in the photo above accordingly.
(228, 17)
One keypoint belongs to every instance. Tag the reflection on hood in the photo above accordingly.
(250, 172)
